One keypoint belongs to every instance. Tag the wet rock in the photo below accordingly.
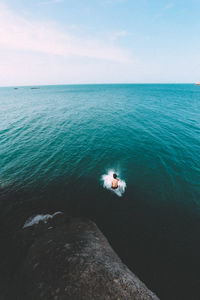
(73, 260)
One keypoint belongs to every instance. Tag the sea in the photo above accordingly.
(60, 145)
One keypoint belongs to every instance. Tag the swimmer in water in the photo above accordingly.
(115, 181)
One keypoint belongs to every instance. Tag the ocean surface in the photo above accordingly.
(60, 144)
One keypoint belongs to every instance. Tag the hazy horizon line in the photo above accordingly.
(99, 83)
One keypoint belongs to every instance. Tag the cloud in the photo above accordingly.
(38, 69)
(114, 1)
(114, 36)
(169, 6)
(50, 2)
(165, 8)
(18, 33)
(121, 33)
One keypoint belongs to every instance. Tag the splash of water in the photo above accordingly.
(35, 220)
(107, 183)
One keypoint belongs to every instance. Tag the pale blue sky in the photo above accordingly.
(99, 41)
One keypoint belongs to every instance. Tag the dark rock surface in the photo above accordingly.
(69, 258)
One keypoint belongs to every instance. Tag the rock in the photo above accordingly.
(73, 260)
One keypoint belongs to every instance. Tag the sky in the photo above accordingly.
(99, 41)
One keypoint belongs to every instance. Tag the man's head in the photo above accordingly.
(114, 175)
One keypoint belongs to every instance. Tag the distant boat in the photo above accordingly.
(35, 87)
(197, 83)
(15, 88)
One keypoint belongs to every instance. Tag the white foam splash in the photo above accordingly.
(107, 183)
(35, 220)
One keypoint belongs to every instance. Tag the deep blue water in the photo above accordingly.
(56, 142)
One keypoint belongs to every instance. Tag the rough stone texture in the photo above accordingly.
(69, 258)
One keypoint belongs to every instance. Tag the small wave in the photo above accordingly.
(107, 183)
(35, 220)
(5, 183)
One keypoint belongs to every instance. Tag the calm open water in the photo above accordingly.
(56, 142)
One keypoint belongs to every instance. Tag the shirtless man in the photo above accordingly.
(115, 181)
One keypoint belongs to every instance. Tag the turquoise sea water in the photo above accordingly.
(57, 142)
